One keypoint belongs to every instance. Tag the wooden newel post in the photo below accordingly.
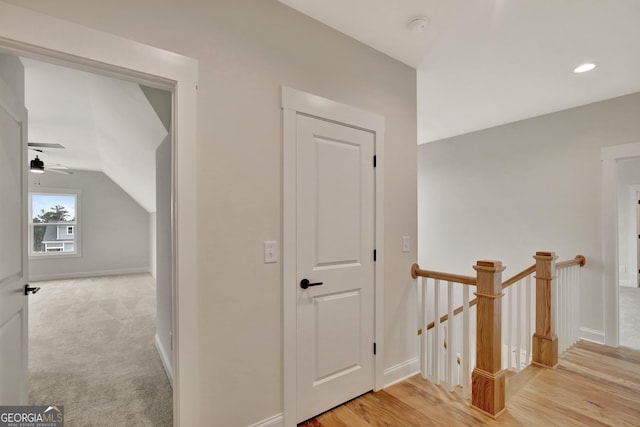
(545, 340)
(488, 378)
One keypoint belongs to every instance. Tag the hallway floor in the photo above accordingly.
(592, 385)
(630, 317)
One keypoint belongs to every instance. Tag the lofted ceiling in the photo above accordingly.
(105, 125)
(485, 63)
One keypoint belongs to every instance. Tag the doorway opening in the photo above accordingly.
(628, 192)
(65, 43)
(100, 236)
(614, 161)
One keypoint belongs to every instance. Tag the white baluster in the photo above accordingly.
(436, 333)
(519, 315)
(528, 323)
(558, 305)
(423, 338)
(576, 296)
(466, 337)
(451, 342)
(561, 311)
(509, 328)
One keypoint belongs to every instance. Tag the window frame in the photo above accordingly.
(77, 193)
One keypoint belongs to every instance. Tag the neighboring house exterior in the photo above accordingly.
(59, 238)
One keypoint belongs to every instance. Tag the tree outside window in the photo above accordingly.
(53, 224)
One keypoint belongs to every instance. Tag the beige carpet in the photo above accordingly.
(92, 350)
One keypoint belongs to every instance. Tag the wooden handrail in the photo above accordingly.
(578, 260)
(455, 312)
(524, 273)
(457, 278)
(468, 280)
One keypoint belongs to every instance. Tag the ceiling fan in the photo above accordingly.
(37, 165)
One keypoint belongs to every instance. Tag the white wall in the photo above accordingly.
(247, 50)
(114, 229)
(628, 176)
(506, 192)
(164, 269)
(153, 244)
(12, 72)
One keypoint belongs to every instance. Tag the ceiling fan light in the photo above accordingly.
(37, 165)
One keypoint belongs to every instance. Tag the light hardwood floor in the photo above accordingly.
(592, 385)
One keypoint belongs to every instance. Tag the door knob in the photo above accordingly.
(304, 284)
(28, 289)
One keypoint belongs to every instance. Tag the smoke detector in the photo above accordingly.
(418, 24)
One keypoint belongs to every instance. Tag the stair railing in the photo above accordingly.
(466, 346)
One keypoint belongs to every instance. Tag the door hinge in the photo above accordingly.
(375, 161)
(374, 255)
(374, 348)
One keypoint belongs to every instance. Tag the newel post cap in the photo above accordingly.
(545, 255)
(489, 265)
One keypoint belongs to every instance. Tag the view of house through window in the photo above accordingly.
(53, 224)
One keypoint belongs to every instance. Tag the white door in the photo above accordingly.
(13, 250)
(335, 244)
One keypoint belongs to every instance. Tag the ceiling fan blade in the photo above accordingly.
(62, 171)
(45, 145)
(36, 149)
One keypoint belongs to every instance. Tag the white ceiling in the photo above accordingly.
(482, 63)
(105, 125)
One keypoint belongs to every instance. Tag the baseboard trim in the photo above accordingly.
(83, 274)
(401, 371)
(165, 360)
(592, 335)
(275, 421)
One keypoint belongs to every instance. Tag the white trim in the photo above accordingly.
(610, 156)
(401, 371)
(293, 102)
(164, 359)
(633, 237)
(83, 274)
(73, 45)
(275, 421)
(592, 335)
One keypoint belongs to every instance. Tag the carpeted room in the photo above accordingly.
(100, 326)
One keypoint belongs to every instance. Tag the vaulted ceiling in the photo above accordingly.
(485, 63)
(105, 125)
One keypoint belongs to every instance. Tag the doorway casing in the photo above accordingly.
(75, 46)
(297, 102)
(610, 157)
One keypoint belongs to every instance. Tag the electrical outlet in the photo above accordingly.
(270, 251)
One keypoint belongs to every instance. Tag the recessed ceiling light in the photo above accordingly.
(584, 67)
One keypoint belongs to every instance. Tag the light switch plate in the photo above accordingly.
(406, 242)
(270, 251)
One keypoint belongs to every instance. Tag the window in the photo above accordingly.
(53, 223)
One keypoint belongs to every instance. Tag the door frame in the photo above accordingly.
(633, 242)
(294, 102)
(68, 44)
(611, 291)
